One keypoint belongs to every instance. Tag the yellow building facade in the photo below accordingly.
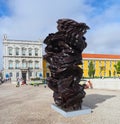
(103, 64)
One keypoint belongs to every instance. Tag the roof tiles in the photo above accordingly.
(106, 56)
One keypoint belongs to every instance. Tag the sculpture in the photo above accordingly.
(64, 54)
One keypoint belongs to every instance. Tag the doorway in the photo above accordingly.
(24, 75)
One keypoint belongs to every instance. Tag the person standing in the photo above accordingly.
(18, 82)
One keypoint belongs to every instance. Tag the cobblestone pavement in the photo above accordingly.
(32, 105)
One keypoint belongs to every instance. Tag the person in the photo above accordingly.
(45, 84)
(87, 85)
(18, 82)
(90, 84)
(24, 82)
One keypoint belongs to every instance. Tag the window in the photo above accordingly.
(17, 64)
(23, 51)
(30, 52)
(100, 63)
(30, 73)
(10, 64)
(17, 51)
(30, 64)
(10, 51)
(36, 64)
(11, 74)
(36, 74)
(105, 63)
(24, 64)
(36, 52)
(110, 64)
(17, 74)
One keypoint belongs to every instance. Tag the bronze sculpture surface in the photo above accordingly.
(64, 54)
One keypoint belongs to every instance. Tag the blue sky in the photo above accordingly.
(35, 19)
(4, 8)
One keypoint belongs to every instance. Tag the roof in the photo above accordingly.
(106, 56)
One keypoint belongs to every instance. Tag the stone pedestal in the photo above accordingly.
(84, 110)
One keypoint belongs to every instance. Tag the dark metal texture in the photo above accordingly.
(64, 54)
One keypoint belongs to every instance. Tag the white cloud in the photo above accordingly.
(35, 19)
(105, 39)
(104, 34)
(32, 19)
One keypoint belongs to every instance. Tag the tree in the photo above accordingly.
(102, 68)
(117, 67)
(91, 69)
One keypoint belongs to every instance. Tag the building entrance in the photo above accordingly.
(24, 75)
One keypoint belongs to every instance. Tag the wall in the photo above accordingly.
(110, 84)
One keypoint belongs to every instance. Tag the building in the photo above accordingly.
(103, 64)
(22, 58)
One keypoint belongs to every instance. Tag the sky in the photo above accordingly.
(35, 19)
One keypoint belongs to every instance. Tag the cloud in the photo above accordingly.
(104, 35)
(35, 19)
(105, 39)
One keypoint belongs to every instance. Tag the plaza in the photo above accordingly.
(32, 105)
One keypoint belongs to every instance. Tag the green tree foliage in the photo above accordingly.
(117, 67)
(91, 69)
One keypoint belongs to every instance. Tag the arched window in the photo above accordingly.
(24, 64)
(30, 64)
(36, 64)
(17, 64)
(10, 51)
(23, 51)
(30, 52)
(36, 51)
(10, 64)
(17, 51)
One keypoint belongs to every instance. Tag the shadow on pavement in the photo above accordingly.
(93, 99)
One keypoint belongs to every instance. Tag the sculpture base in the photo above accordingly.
(84, 110)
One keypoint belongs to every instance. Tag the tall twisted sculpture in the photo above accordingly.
(64, 54)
